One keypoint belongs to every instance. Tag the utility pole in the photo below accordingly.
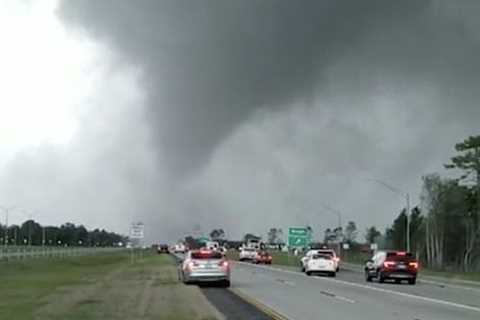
(43, 236)
(407, 197)
(5, 238)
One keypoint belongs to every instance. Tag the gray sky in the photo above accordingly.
(244, 115)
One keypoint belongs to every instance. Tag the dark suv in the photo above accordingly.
(163, 248)
(396, 265)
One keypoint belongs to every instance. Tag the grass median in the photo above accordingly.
(99, 287)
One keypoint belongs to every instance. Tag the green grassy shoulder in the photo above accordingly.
(99, 287)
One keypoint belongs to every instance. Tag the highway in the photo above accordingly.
(299, 297)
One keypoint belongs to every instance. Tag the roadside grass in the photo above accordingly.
(469, 276)
(99, 287)
(24, 284)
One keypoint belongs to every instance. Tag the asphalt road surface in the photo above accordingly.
(300, 297)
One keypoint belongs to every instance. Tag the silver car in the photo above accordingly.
(205, 266)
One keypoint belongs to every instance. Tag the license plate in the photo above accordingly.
(402, 266)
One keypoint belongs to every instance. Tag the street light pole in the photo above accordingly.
(336, 212)
(406, 195)
(6, 210)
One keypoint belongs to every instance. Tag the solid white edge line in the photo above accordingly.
(402, 294)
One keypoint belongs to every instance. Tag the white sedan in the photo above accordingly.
(307, 257)
(321, 263)
(247, 254)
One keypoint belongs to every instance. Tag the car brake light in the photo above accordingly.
(413, 265)
(401, 253)
(337, 259)
(388, 264)
(223, 263)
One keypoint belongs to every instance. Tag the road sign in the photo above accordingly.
(136, 230)
(203, 239)
(298, 237)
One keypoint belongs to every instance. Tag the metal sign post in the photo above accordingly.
(136, 233)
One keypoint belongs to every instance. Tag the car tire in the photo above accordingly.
(368, 278)
(308, 273)
(398, 281)
(333, 274)
(303, 269)
(381, 278)
(412, 281)
(338, 269)
(226, 284)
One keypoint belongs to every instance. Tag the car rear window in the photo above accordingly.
(206, 255)
(399, 256)
(328, 253)
(322, 256)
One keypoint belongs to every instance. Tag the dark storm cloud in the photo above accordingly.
(208, 64)
(264, 109)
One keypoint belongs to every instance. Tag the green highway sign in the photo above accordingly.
(203, 239)
(298, 237)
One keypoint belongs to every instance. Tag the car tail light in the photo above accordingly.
(224, 264)
(413, 265)
(388, 264)
(337, 259)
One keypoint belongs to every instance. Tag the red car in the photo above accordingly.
(263, 257)
(395, 265)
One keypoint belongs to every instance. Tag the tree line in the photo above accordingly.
(445, 227)
(68, 234)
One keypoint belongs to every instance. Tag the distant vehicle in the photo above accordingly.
(247, 254)
(212, 245)
(163, 248)
(396, 265)
(330, 252)
(205, 266)
(321, 263)
(253, 243)
(179, 248)
(263, 257)
(333, 254)
(222, 250)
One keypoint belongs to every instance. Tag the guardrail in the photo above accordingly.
(9, 253)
